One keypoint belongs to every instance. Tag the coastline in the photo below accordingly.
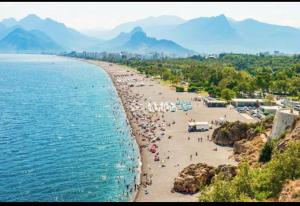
(134, 133)
(134, 130)
(175, 150)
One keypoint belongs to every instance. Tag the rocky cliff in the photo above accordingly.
(290, 192)
(191, 178)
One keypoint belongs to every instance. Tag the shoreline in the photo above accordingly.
(134, 131)
(174, 148)
(133, 134)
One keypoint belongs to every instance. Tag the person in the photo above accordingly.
(188, 138)
(201, 139)
(196, 154)
(191, 157)
(198, 139)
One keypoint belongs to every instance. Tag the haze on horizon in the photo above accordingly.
(107, 15)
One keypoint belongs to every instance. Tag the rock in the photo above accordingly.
(192, 177)
(239, 147)
(290, 192)
(248, 150)
(229, 171)
(230, 132)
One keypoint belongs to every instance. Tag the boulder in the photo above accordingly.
(231, 132)
(248, 150)
(229, 171)
(239, 146)
(192, 177)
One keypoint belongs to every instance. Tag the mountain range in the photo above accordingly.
(219, 34)
(151, 25)
(168, 34)
(33, 34)
(137, 41)
(20, 40)
(66, 37)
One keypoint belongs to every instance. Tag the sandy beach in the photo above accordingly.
(177, 148)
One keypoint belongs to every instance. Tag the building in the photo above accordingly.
(283, 120)
(246, 102)
(211, 102)
(290, 103)
(269, 109)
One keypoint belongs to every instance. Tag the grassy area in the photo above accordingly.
(166, 83)
(203, 93)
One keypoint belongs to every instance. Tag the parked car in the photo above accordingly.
(297, 107)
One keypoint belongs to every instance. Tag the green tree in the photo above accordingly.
(227, 94)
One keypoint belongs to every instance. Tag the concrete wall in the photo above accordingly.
(283, 119)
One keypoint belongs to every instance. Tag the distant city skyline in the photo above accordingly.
(106, 15)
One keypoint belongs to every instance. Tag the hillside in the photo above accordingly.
(273, 176)
(219, 34)
(137, 41)
(64, 36)
(20, 40)
(151, 25)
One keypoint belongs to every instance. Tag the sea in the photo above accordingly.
(64, 135)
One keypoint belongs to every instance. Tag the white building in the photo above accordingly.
(269, 109)
(246, 102)
(283, 119)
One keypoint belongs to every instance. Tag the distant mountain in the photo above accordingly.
(219, 34)
(119, 41)
(64, 36)
(206, 34)
(7, 30)
(222, 34)
(9, 22)
(137, 41)
(258, 36)
(151, 25)
(20, 40)
(2, 28)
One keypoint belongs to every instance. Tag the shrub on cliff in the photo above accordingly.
(179, 89)
(238, 189)
(258, 183)
(283, 166)
(266, 152)
(192, 88)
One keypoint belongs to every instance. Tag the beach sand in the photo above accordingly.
(175, 152)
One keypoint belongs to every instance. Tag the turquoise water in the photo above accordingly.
(63, 132)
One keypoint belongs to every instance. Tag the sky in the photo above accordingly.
(106, 15)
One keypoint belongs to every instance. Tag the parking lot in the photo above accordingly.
(253, 112)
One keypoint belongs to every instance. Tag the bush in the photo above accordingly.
(252, 184)
(266, 152)
(192, 88)
(221, 191)
(259, 129)
(238, 189)
(227, 94)
(282, 167)
(179, 89)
